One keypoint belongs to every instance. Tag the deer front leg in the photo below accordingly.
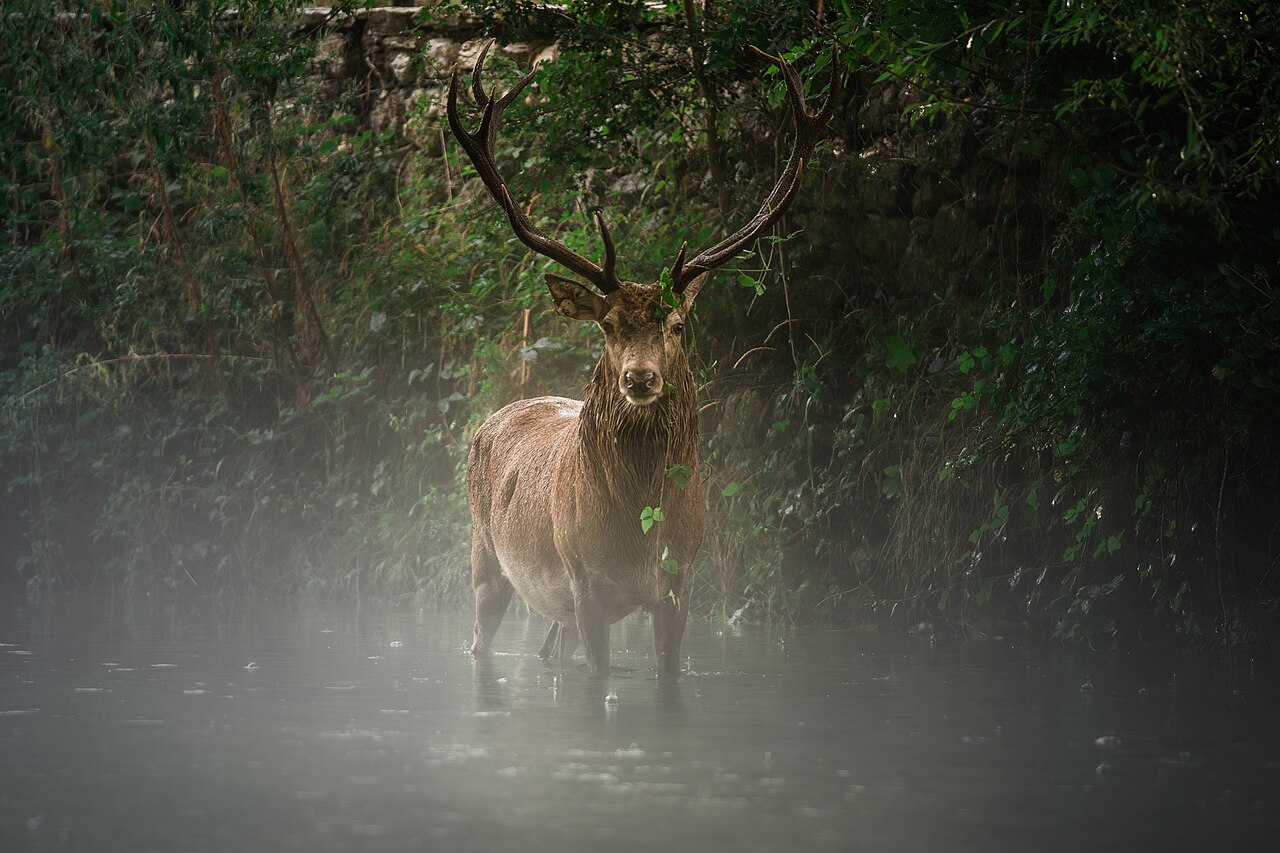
(493, 594)
(669, 620)
(593, 630)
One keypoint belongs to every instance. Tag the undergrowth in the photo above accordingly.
(1031, 386)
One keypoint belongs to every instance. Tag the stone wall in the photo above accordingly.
(398, 64)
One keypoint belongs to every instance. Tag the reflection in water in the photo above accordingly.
(196, 725)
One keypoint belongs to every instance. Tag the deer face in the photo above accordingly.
(644, 340)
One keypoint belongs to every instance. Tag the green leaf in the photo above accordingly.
(731, 490)
(892, 486)
(650, 516)
(899, 356)
(331, 393)
(680, 473)
(666, 291)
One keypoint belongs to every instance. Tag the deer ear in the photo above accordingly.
(691, 290)
(575, 300)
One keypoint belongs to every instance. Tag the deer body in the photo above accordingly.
(557, 487)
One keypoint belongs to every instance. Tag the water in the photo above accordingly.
(195, 726)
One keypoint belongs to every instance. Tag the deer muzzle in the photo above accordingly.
(641, 385)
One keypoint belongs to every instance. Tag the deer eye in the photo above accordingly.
(677, 329)
(608, 327)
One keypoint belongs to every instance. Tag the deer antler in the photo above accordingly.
(808, 127)
(480, 146)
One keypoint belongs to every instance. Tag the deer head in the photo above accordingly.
(643, 324)
(644, 339)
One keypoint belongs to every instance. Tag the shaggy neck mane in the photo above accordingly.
(628, 448)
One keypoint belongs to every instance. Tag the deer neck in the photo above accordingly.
(627, 448)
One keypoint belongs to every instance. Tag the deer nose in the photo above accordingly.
(639, 380)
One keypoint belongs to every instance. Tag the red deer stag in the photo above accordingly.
(557, 486)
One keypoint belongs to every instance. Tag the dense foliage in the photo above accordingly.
(1011, 359)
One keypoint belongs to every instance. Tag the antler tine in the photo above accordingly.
(480, 148)
(795, 87)
(808, 126)
(610, 256)
(477, 88)
(677, 268)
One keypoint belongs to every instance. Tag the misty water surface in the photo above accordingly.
(257, 726)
